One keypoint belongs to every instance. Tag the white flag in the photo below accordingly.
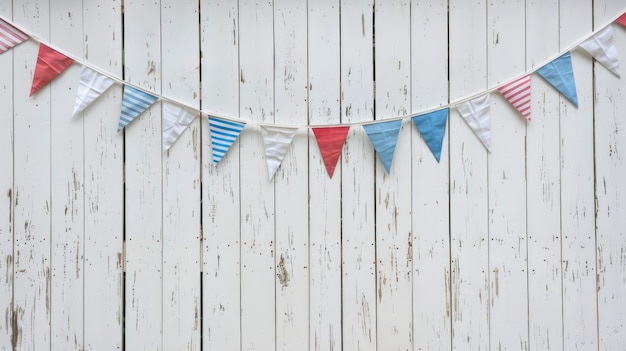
(92, 84)
(276, 141)
(602, 47)
(476, 114)
(175, 121)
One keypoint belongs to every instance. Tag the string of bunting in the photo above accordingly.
(383, 134)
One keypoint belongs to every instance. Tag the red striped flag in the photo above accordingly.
(10, 36)
(517, 93)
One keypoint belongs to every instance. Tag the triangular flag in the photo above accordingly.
(92, 84)
(330, 142)
(432, 126)
(10, 36)
(50, 63)
(602, 47)
(175, 121)
(476, 114)
(276, 141)
(134, 103)
(384, 137)
(517, 93)
(223, 135)
(560, 75)
(622, 20)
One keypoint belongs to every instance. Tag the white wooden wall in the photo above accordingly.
(106, 243)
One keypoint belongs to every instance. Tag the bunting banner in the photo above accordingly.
(92, 84)
(223, 135)
(276, 141)
(602, 47)
(175, 120)
(50, 63)
(134, 103)
(476, 113)
(432, 127)
(517, 93)
(330, 141)
(384, 137)
(621, 20)
(560, 75)
(10, 36)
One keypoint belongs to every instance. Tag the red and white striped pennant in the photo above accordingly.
(517, 93)
(10, 36)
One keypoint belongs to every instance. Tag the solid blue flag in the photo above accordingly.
(432, 126)
(560, 75)
(384, 137)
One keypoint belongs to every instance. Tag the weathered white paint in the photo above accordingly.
(104, 184)
(325, 201)
(144, 193)
(394, 263)
(508, 307)
(430, 202)
(520, 248)
(67, 192)
(258, 211)
(6, 194)
(543, 191)
(181, 181)
(221, 229)
(469, 205)
(31, 172)
(358, 160)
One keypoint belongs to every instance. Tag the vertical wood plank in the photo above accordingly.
(577, 186)
(6, 190)
(324, 192)
(609, 190)
(291, 179)
(32, 188)
(104, 183)
(181, 180)
(508, 314)
(221, 211)
(67, 191)
(143, 206)
(430, 181)
(393, 199)
(468, 181)
(542, 188)
(357, 190)
(256, 48)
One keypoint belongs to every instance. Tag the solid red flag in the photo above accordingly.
(330, 140)
(50, 63)
(622, 20)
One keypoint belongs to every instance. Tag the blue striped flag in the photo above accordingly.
(223, 135)
(134, 103)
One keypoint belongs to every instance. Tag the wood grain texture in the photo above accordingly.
(67, 188)
(181, 180)
(6, 189)
(358, 163)
(430, 182)
(144, 193)
(221, 228)
(258, 211)
(469, 221)
(325, 229)
(104, 185)
(508, 322)
(394, 261)
(32, 277)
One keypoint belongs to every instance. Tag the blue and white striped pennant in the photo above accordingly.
(223, 135)
(134, 103)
